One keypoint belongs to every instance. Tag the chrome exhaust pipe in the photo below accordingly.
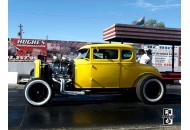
(62, 88)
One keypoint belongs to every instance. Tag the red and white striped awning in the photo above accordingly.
(142, 34)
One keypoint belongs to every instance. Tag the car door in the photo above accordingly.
(105, 68)
(83, 69)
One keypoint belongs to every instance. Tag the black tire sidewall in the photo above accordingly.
(47, 83)
(140, 87)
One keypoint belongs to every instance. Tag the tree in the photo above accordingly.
(134, 22)
(151, 23)
(161, 25)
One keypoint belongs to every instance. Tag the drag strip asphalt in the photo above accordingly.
(92, 112)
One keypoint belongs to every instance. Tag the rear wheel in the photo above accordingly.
(38, 92)
(150, 89)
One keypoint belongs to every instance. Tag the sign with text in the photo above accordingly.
(26, 49)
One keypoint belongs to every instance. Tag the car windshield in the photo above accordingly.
(83, 53)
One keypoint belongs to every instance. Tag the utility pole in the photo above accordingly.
(47, 37)
(20, 32)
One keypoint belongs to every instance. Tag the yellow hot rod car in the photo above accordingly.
(98, 67)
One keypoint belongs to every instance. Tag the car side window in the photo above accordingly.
(105, 54)
(126, 54)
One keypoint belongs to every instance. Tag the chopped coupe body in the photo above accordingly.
(98, 67)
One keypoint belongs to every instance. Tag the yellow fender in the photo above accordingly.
(37, 69)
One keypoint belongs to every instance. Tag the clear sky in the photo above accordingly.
(84, 20)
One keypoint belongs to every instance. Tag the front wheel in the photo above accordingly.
(150, 89)
(38, 92)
